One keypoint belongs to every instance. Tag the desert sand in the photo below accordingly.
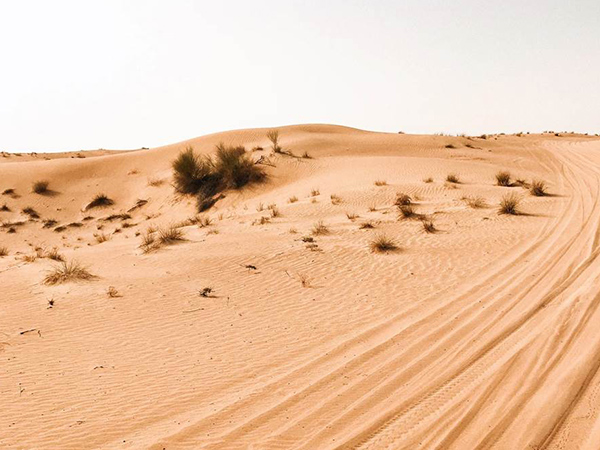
(482, 334)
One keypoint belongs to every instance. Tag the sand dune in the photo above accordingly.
(483, 334)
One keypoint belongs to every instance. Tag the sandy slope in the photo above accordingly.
(483, 335)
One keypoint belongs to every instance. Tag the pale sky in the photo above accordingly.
(126, 74)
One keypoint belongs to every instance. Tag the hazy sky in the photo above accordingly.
(125, 74)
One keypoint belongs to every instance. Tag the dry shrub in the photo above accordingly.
(383, 244)
(509, 204)
(67, 271)
(40, 187)
(352, 216)
(32, 213)
(428, 226)
(452, 178)
(263, 220)
(503, 178)
(100, 201)
(402, 200)
(538, 188)
(155, 182)
(292, 199)
(335, 199)
(380, 183)
(112, 292)
(101, 237)
(3, 251)
(407, 212)
(315, 192)
(475, 202)
(428, 180)
(170, 235)
(273, 136)
(367, 225)
(320, 228)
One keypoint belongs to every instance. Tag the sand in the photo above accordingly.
(482, 335)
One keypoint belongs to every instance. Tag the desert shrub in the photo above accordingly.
(3, 251)
(320, 228)
(32, 213)
(292, 199)
(263, 220)
(402, 200)
(67, 271)
(503, 178)
(451, 146)
(170, 235)
(99, 201)
(101, 237)
(54, 254)
(273, 136)
(372, 208)
(509, 204)
(235, 168)
(40, 187)
(452, 178)
(49, 223)
(204, 202)
(5, 208)
(9, 191)
(380, 183)
(475, 202)
(315, 192)
(274, 211)
(538, 188)
(383, 244)
(155, 182)
(351, 216)
(367, 225)
(407, 211)
(112, 292)
(191, 172)
(306, 155)
(428, 180)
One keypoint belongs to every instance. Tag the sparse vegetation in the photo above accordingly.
(315, 192)
(304, 280)
(451, 146)
(274, 211)
(538, 188)
(367, 225)
(67, 271)
(170, 235)
(475, 202)
(407, 212)
(40, 187)
(383, 244)
(32, 213)
(452, 178)
(49, 223)
(306, 155)
(351, 216)
(155, 182)
(292, 199)
(100, 201)
(112, 292)
(380, 183)
(320, 228)
(509, 204)
(5, 208)
(3, 251)
(403, 200)
(503, 178)
(335, 199)
(273, 136)
(263, 220)
(101, 237)
(428, 180)
(53, 254)
(428, 226)
(372, 208)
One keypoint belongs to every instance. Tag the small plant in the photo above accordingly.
(274, 211)
(403, 200)
(428, 226)
(428, 180)
(32, 213)
(383, 244)
(190, 172)
(292, 199)
(54, 255)
(112, 292)
(99, 201)
(503, 178)
(9, 191)
(263, 220)
(204, 222)
(149, 242)
(205, 292)
(170, 235)
(335, 199)
(308, 239)
(509, 204)
(40, 187)
(5, 208)
(475, 202)
(367, 225)
(293, 231)
(273, 136)
(3, 251)
(452, 178)
(67, 271)
(49, 223)
(351, 216)
(380, 183)
(320, 229)
(451, 146)
(406, 211)
(260, 207)
(538, 188)
(373, 208)
(315, 192)
(305, 155)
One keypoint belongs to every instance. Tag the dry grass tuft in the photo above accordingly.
(428, 180)
(402, 200)
(320, 229)
(452, 178)
(538, 188)
(352, 216)
(304, 280)
(170, 235)
(503, 178)
(407, 212)
(475, 202)
(315, 192)
(155, 182)
(509, 204)
(368, 225)
(112, 292)
(274, 211)
(428, 226)
(380, 183)
(54, 255)
(335, 199)
(263, 220)
(101, 237)
(99, 201)
(67, 271)
(32, 213)
(292, 199)
(383, 244)
(40, 187)
(273, 136)
(3, 251)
